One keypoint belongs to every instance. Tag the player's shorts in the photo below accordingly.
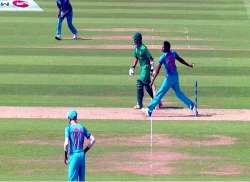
(76, 167)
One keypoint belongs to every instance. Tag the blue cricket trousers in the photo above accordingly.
(172, 81)
(76, 167)
(69, 17)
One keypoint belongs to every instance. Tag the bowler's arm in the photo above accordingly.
(181, 60)
(157, 71)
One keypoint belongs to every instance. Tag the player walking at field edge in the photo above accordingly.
(172, 79)
(142, 54)
(73, 146)
(65, 10)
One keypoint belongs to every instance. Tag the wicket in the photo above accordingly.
(196, 96)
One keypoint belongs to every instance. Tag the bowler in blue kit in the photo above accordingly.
(64, 11)
(168, 59)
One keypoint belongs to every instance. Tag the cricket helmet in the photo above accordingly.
(72, 115)
(137, 36)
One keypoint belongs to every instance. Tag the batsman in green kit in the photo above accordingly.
(145, 59)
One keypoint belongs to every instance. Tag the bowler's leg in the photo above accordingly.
(161, 92)
(69, 22)
(176, 87)
(59, 27)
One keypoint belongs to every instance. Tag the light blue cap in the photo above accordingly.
(72, 115)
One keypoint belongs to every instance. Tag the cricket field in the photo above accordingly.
(40, 76)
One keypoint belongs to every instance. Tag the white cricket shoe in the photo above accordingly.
(75, 37)
(137, 106)
(148, 112)
(58, 37)
(193, 108)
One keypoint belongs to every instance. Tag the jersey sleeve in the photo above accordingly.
(87, 134)
(148, 53)
(162, 59)
(66, 132)
(176, 55)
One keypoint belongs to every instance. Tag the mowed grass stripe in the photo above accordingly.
(159, 14)
(116, 70)
(79, 6)
(151, 15)
(154, 4)
(115, 61)
(58, 61)
(117, 101)
(69, 100)
(119, 11)
(113, 90)
(115, 80)
(102, 21)
(121, 53)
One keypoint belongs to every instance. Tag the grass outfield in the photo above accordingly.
(33, 150)
(36, 70)
(34, 74)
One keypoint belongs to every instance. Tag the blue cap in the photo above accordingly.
(72, 115)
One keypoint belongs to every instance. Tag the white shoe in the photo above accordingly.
(137, 106)
(58, 37)
(75, 37)
(148, 112)
(193, 108)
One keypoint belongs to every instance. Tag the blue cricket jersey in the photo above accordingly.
(76, 134)
(168, 60)
(64, 5)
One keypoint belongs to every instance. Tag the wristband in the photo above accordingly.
(86, 149)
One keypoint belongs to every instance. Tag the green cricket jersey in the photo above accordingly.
(143, 55)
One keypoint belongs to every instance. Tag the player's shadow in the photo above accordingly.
(78, 38)
(171, 107)
(84, 38)
(187, 115)
(184, 115)
(200, 115)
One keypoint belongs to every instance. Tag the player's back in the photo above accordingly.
(76, 135)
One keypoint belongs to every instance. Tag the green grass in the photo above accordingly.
(34, 74)
(42, 159)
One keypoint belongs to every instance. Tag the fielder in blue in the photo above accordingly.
(64, 11)
(75, 134)
(171, 80)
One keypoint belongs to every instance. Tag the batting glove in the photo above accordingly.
(131, 71)
(152, 71)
